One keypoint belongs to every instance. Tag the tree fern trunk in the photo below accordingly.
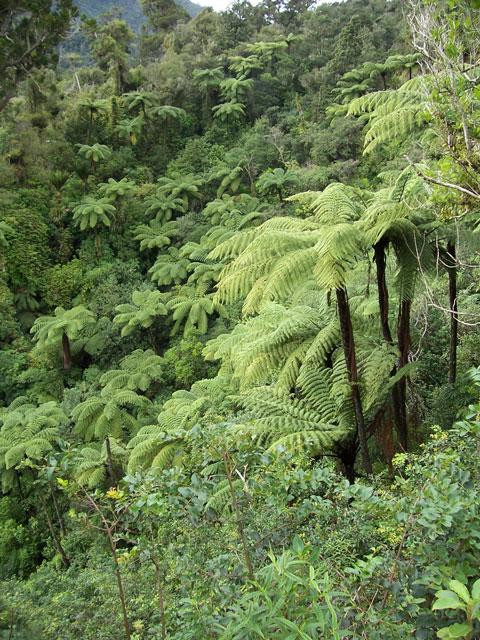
(55, 539)
(381, 263)
(403, 337)
(347, 456)
(67, 356)
(351, 362)
(111, 472)
(452, 293)
(398, 391)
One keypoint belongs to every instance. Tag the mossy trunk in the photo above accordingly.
(352, 372)
(403, 338)
(398, 392)
(67, 355)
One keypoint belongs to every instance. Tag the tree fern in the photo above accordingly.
(91, 464)
(61, 328)
(192, 307)
(169, 268)
(392, 114)
(112, 413)
(281, 423)
(138, 371)
(155, 235)
(27, 432)
(145, 307)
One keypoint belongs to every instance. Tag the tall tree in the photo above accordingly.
(30, 31)
(162, 16)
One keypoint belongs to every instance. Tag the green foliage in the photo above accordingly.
(303, 610)
(30, 40)
(146, 306)
(27, 434)
(93, 212)
(138, 371)
(94, 152)
(229, 111)
(48, 330)
(108, 414)
(192, 307)
(458, 597)
(259, 303)
(276, 180)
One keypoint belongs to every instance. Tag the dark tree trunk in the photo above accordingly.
(381, 263)
(61, 524)
(56, 540)
(452, 294)
(403, 337)
(352, 372)
(121, 590)
(347, 456)
(67, 356)
(111, 472)
(399, 388)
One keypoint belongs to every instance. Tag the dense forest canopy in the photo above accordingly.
(239, 320)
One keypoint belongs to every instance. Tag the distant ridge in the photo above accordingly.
(130, 9)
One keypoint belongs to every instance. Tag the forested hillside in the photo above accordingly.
(239, 321)
(131, 11)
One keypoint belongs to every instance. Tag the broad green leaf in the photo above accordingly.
(447, 600)
(454, 631)
(460, 589)
(476, 590)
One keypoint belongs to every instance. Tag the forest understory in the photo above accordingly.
(240, 320)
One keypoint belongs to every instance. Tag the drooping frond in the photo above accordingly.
(110, 414)
(138, 370)
(169, 268)
(192, 307)
(281, 423)
(154, 448)
(92, 462)
(27, 432)
(48, 330)
(155, 235)
(393, 126)
(145, 307)
(392, 114)
(336, 203)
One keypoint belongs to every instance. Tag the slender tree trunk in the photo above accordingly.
(381, 263)
(452, 293)
(90, 123)
(238, 518)
(403, 337)
(11, 625)
(67, 356)
(113, 550)
(161, 597)
(351, 362)
(398, 392)
(56, 540)
(58, 514)
(111, 473)
(121, 590)
(98, 245)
